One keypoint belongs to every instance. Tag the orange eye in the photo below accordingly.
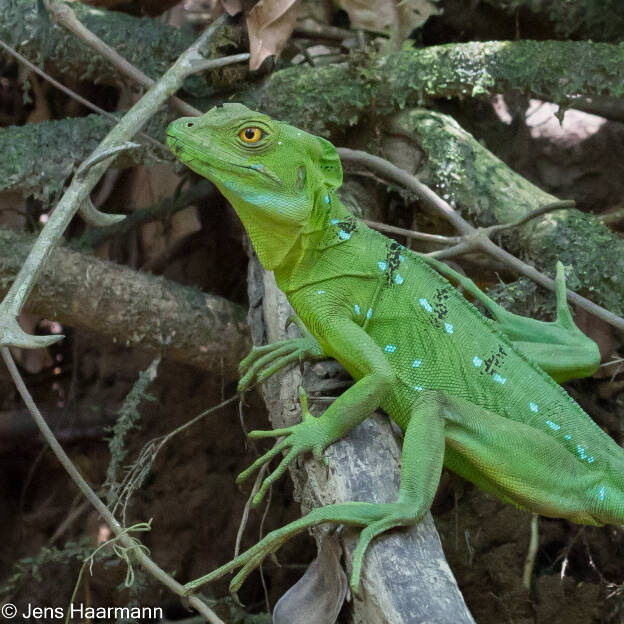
(251, 134)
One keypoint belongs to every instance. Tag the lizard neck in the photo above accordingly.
(309, 244)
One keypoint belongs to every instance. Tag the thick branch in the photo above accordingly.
(487, 190)
(149, 44)
(38, 158)
(322, 99)
(132, 307)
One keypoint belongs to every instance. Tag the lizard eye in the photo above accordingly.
(251, 134)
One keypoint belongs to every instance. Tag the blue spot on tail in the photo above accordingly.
(369, 313)
(334, 221)
(498, 379)
(398, 279)
(602, 492)
(533, 407)
(416, 363)
(448, 327)
(382, 265)
(320, 292)
(553, 426)
(477, 361)
(356, 307)
(326, 199)
(390, 348)
(344, 235)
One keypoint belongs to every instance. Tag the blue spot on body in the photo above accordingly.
(498, 379)
(390, 348)
(477, 361)
(369, 313)
(344, 235)
(533, 407)
(581, 451)
(382, 265)
(553, 426)
(602, 492)
(398, 279)
(356, 307)
(416, 363)
(448, 327)
(320, 292)
(425, 304)
(419, 388)
(567, 436)
(590, 460)
(334, 221)
(326, 198)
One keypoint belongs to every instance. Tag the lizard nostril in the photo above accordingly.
(190, 124)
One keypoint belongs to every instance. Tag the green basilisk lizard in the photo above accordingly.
(478, 396)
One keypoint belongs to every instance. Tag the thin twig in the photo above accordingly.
(149, 565)
(474, 239)
(392, 229)
(65, 16)
(529, 562)
(72, 94)
(79, 190)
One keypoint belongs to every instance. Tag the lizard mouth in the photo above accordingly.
(187, 153)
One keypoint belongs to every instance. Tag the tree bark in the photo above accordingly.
(134, 308)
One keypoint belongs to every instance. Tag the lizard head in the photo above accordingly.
(275, 176)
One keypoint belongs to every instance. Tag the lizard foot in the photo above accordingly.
(376, 518)
(264, 361)
(308, 435)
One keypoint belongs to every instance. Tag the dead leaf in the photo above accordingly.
(318, 595)
(396, 18)
(232, 7)
(269, 24)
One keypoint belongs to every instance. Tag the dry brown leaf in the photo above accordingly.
(232, 7)
(393, 17)
(269, 24)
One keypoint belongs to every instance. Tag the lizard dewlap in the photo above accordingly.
(478, 396)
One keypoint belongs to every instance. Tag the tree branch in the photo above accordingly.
(132, 307)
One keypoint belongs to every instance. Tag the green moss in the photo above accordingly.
(600, 20)
(38, 158)
(149, 44)
(326, 99)
(592, 254)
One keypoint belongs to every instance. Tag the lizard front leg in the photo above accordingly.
(361, 355)
(264, 361)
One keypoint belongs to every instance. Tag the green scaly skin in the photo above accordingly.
(475, 395)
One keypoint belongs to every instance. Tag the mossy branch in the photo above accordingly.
(149, 44)
(484, 188)
(38, 158)
(324, 99)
